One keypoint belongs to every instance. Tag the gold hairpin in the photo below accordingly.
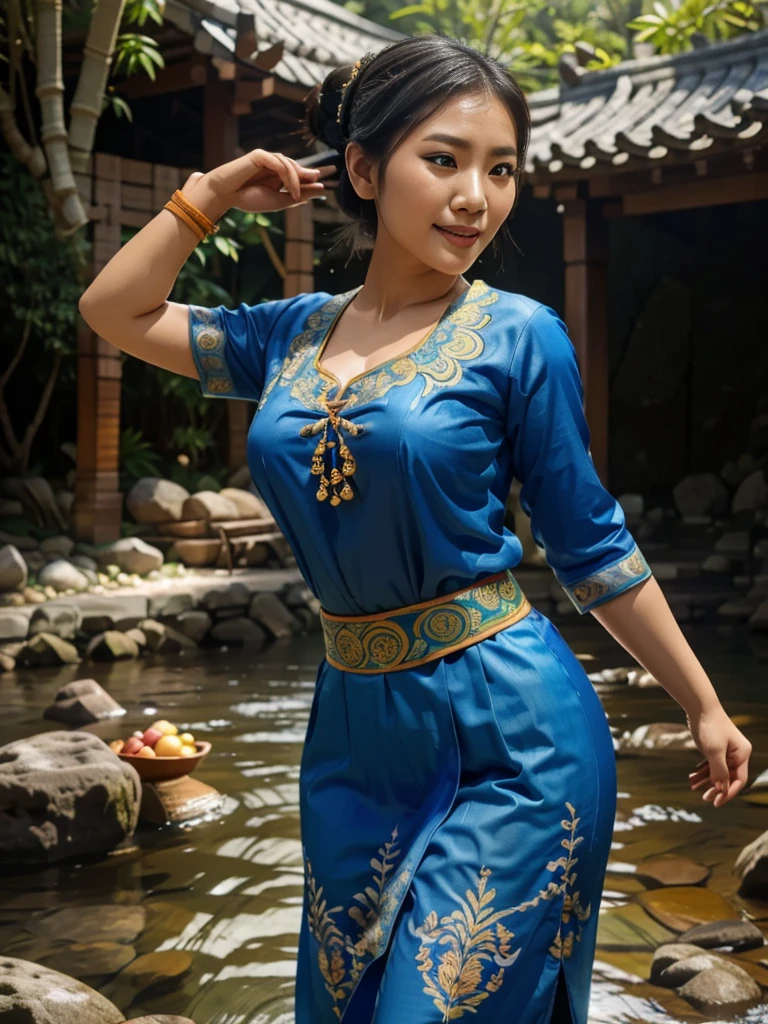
(355, 71)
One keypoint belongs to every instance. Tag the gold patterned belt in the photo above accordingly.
(410, 636)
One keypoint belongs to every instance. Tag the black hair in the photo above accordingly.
(394, 91)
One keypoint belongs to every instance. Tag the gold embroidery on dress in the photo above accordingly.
(341, 958)
(438, 360)
(474, 937)
(612, 580)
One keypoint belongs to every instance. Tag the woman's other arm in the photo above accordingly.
(642, 622)
(127, 302)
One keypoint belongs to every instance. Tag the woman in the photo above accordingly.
(458, 778)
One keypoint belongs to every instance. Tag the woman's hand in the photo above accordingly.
(257, 182)
(726, 753)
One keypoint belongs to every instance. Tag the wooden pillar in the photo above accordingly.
(220, 145)
(98, 502)
(585, 251)
(299, 250)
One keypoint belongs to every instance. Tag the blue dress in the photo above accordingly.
(456, 816)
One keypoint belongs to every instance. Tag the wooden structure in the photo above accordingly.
(249, 67)
(650, 135)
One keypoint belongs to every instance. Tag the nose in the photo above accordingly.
(470, 194)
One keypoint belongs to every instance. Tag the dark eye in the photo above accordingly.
(440, 156)
(510, 170)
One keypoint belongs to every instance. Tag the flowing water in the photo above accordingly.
(213, 908)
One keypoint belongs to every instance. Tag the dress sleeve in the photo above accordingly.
(229, 347)
(573, 517)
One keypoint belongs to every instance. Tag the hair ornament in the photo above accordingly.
(357, 67)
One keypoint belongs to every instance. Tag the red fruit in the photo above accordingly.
(132, 746)
(151, 736)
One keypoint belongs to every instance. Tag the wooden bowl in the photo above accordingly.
(155, 769)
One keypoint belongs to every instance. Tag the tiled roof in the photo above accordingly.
(317, 34)
(653, 111)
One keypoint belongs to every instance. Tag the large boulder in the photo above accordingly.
(209, 505)
(81, 703)
(61, 575)
(13, 569)
(32, 994)
(152, 500)
(701, 494)
(132, 554)
(248, 505)
(64, 795)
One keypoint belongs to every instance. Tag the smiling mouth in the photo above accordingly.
(458, 234)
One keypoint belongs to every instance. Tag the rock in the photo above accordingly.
(735, 933)
(93, 923)
(716, 563)
(32, 596)
(33, 994)
(247, 504)
(95, 960)
(58, 618)
(152, 971)
(12, 599)
(738, 609)
(19, 541)
(82, 702)
(668, 954)
(61, 546)
(198, 552)
(701, 494)
(131, 554)
(84, 562)
(111, 646)
(688, 967)
(174, 801)
(734, 542)
(239, 631)
(64, 795)
(269, 611)
(162, 1019)
(642, 679)
(152, 500)
(48, 649)
(139, 637)
(194, 624)
(684, 908)
(752, 493)
(62, 576)
(168, 604)
(97, 622)
(658, 736)
(13, 569)
(209, 505)
(720, 991)
(13, 626)
(752, 862)
(633, 507)
(298, 595)
(163, 639)
(671, 869)
(65, 500)
(241, 478)
(236, 595)
(7, 663)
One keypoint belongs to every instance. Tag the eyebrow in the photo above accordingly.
(454, 140)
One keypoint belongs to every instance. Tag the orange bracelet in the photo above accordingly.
(192, 217)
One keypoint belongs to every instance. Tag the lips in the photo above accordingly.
(456, 229)
(458, 237)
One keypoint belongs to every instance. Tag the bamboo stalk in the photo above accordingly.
(98, 51)
(50, 93)
(277, 263)
(30, 156)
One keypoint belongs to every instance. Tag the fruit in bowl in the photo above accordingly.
(160, 752)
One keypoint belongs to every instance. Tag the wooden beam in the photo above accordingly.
(299, 250)
(585, 251)
(741, 188)
(189, 74)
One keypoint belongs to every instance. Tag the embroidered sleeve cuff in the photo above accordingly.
(207, 339)
(608, 582)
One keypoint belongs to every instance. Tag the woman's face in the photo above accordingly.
(455, 171)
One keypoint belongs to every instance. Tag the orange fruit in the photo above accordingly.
(187, 739)
(188, 750)
(146, 752)
(166, 728)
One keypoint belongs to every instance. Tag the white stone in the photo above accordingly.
(13, 569)
(62, 576)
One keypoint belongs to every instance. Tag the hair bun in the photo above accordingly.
(322, 106)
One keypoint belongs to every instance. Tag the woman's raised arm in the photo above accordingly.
(127, 302)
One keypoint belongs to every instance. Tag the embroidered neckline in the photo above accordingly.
(347, 298)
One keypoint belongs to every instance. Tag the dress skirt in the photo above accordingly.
(456, 820)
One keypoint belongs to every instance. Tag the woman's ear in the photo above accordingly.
(361, 171)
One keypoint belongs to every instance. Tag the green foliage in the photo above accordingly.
(136, 52)
(137, 457)
(672, 26)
